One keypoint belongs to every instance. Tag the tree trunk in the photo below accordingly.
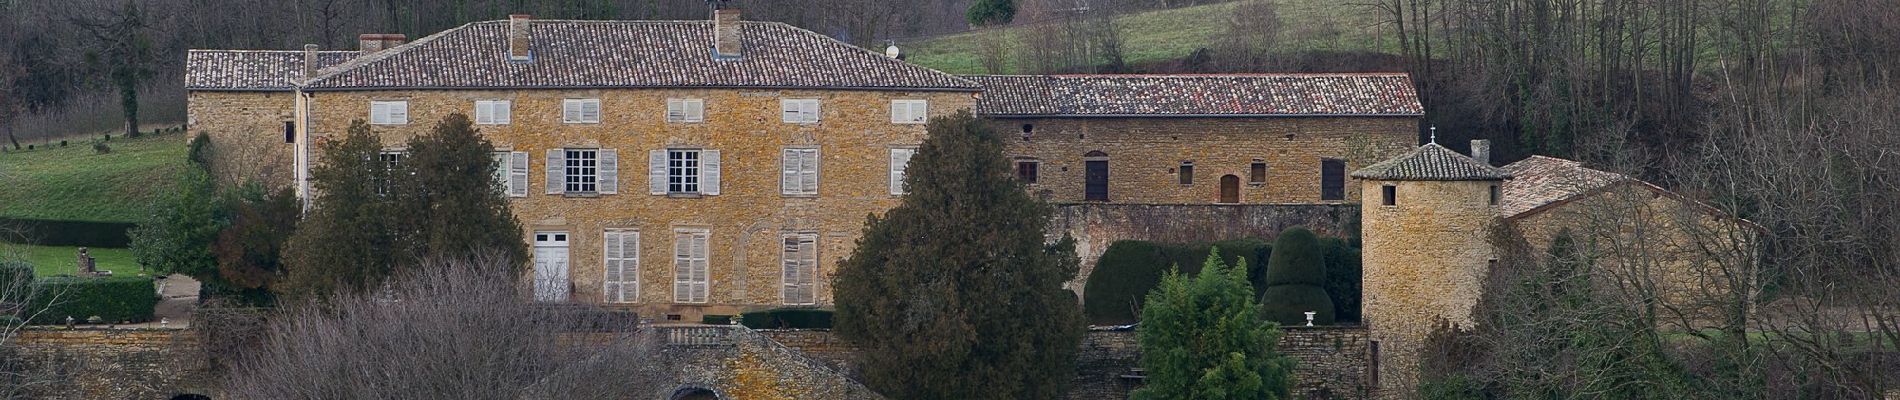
(129, 99)
(8, 128)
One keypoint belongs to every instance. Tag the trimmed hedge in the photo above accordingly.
(1129, 269)
(113, 299)
(46, 232)
(1296, 275)
(787, 318)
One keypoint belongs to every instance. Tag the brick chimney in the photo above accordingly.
(1481, 150)
(726, 33)
(369, 43)
(518, 49)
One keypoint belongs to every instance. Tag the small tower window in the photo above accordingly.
(1389, 195)
(1187, 172)
(290, 132)
(1494, 194)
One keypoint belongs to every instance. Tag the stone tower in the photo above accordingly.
(1425, 216)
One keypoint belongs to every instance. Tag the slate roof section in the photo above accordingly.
(1367, 94)
(1540, 180)
(1432, 162)
(610, 54)
(260, 70)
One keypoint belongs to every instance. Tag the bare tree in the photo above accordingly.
(458, 329)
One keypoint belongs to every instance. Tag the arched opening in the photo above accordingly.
(191, 396)
(1229, 189)
(693, 393)
(1095, 176)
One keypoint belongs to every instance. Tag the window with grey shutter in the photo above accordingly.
(518, 174)
(492, 112)
(709, 175)
(656, 172)
(900, 160)
(556, 174)
(609, 171)
(798, 173)
(800, 267)
(395, 112)
(689, 266)
(685, 110)
(799, 111)
(580, 111)
(621, 253)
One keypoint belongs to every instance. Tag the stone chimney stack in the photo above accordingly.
(726, 33)
(309, 60)
(391, 40)
(369, 43)
(518, 44)
(1481, 150)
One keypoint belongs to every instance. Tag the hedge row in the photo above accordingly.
(787, 318)
(113, 299)
(46, 232)
(1129, 269)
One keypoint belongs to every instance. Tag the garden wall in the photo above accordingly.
(101, 363)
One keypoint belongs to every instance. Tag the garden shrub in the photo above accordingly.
(112, 299)
(1295, 279)
(1344, 274)
(716, 320)
(788, 318)
(1129, 269)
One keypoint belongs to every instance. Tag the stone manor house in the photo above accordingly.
(690, 168)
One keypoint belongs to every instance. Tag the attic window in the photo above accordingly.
(1388, 195)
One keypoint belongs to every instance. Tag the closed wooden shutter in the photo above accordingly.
(609, 171)
(695, 110)
(800, 268)
(709, 172)
(557, 171)
(788, 172)
(570, 111)
(518, 174)
(622, 256)
(656, 172)
(590, 110)
(900, 160)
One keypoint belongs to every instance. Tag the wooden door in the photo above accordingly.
(1097, 177)
(1229, 189)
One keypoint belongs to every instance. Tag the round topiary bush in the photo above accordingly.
(1296, 275)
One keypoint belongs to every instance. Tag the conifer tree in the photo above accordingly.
(1296, 275)
(345, 238)
(955, 294)
(448, 203)
(1202, 337)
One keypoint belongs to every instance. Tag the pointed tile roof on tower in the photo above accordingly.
(1432, 162)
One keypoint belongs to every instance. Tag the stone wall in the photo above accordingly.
(247, 134)
(1094, 226)
(1145, 154)
(818, 344)
(742, 364)
(116, 363)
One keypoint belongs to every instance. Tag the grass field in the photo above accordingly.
(76, 183)
(1170, 34)
(53, 260)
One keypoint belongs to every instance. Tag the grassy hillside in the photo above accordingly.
(1170, 34)
(76, 183)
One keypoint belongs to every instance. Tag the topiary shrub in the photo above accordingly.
(1295, 279)
(112, 299)
(787, 318)
(1344, 275)
(1129, 269)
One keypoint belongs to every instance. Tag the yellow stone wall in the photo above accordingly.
(1144, 154)
(247, 134)
(746, 220)
(1425, 258)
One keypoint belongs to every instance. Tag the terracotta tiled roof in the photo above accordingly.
(251, 69)
(1541, 180)
(1198, 95)
(568, 54)
(1432, 162)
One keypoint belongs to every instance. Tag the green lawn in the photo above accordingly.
(1169, 34)
(55, 260)
(76, 183)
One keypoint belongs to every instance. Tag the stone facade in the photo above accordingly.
(247, 132)
(116, 363)
(1145, 155)
(1095, 226)
(1426, 257)
(745, 221)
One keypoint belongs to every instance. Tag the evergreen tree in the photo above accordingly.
(954, 294)
(176, 238)
(991, 12)
(250, 249)
(1202, 338)
(1296, 277)
(448, 203)
(345, 239)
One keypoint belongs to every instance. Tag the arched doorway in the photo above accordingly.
(693, 393)
(1095, 176)
(1229, 189)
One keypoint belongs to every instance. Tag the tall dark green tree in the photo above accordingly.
(345, 239)
(1296, 279)
(448, 204)
(954, 294)
(1202, 338)
(176, 238)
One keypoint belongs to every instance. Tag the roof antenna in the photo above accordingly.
(1434, 134)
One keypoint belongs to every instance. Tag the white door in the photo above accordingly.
(550, 266)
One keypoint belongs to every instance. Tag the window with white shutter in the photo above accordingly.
(799, 171)
(580, 111)
(800, 262)
(518, 174)
(909, 111)
(689, 266)
(389, 112)
(682, 171)
(622, 257)
(799, 111)
(685, 110)
(500, 161)
(582, 171)
(900, 159)
(492, 112)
